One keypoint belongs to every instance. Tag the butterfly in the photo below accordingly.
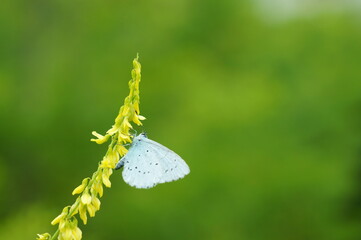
(149, 163)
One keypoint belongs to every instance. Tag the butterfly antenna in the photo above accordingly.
(135, 133)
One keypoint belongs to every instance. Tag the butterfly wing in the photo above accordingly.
(148, 163)
(173, 167)
(141, 166)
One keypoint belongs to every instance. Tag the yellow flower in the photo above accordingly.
(136, 120)
(136, 107)
(105, 177)
(44, 236)
(124, 111)
(70, 231)
(74, 208)
(81, 187)
(114, 129)
(82, 213)
(96, 202)
(86, 198)
(98, 187)
(59, 218)
(121, 149)
(126, 124)
(91, 209)
(77, 234)
(67, 233)
(124, 138)
(106, 163)
(101, 139)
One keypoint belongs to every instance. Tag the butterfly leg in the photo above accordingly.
(120, 163)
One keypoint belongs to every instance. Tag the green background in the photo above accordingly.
(263, 101)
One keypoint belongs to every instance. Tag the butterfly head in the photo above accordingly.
(139, 137)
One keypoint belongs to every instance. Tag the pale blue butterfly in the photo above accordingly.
(148, 163)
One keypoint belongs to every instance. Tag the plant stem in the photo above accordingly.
(55, 235)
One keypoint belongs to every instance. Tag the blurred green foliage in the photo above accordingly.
(266, 113)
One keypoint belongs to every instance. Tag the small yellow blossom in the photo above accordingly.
(136, 120)
(121, 150)
(59, 218)
(91, 209)
(124, 111)
(74, 208)
(96, 202)
(77, 233)
(105, 177)
(141, 117)
(67, 233)
(126, 124)
(81, 187)
(82, 213)
(86, 198)
(70, 231)
(106, 163)
(113, 130)
(44, 236)
(98, 187)
(124, 138)
(136, 108)
(101, 139)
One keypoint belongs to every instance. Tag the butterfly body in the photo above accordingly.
(149, 163)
